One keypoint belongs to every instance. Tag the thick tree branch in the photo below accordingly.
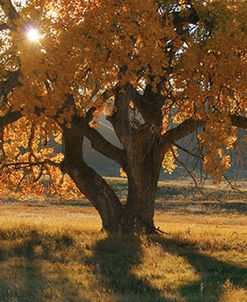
(120, 118)
(87, 180)
(4, 26)
(184, 129)
(149, 105)
(239, 121)
(9, 118)
(100, 144)
(10, 83)
(190, 125)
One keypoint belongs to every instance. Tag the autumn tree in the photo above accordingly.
(158, 70)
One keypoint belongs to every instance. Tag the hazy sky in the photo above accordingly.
(19, 1)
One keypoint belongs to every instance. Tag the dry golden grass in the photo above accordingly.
(57, 253)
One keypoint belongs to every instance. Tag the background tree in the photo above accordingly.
(157, 70)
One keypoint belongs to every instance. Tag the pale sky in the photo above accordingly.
(22, 2)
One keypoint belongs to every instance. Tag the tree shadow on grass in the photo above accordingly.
(237, 207)
(204, 208)
(24, 280)
(213, 272)
(113, 260)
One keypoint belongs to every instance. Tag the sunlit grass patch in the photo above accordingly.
(58, 253)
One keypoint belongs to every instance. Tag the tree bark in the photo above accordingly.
(87, 180)
(145, 155)
(145, 148)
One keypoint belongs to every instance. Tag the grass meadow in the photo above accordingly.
(54, 250)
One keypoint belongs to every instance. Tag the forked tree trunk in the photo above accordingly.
(145, 156)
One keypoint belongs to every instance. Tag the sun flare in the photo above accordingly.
(34, 35)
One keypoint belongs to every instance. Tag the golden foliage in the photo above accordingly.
(168, 163)
(122, 173)
(219, 131)
(89, 47)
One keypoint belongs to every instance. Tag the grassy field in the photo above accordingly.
(56, 252)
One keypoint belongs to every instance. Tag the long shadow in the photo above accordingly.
(204, 208)
(168, 192)
(213, 272)
(113, 260)
(26, 281)
(238, 207)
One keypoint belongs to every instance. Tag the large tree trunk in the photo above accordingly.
(145, 148)
(145, 155)
(87, 180)
(141, 158)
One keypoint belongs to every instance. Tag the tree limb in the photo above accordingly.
(4, 26)
(239, 121)
(30, 164)
(149, 105)
(120, 117)
(187, 151)
(9, 118)
(100, 144)
(10, 83)
(185, 128)
(190, 173)
(190, 125)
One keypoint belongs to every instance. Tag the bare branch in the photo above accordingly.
(20, 165)
(190, 174)
(187, 151)
(21, 181)
(233, 187)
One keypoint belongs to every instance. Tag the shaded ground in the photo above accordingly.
(51, 252)
(186, 190)
(182, 190)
